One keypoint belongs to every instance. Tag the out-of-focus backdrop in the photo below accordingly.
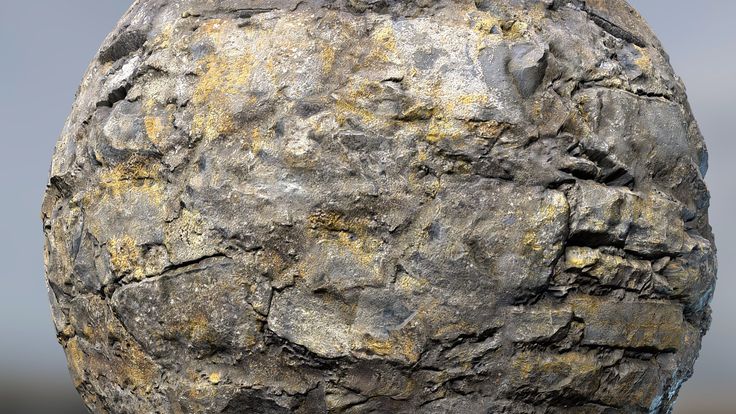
(45, 46)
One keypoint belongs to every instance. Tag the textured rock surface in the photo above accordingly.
(380, 207)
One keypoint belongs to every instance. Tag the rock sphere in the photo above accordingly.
(379, 206)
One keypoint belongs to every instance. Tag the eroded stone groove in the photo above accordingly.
(380, 206)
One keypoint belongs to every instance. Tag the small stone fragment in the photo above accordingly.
(527, 66)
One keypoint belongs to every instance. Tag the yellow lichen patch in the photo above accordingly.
(488, 129)
(215, 378)
(224, 76)
(329, 220)
(555, 206)
(355, 103)
(410, 284)
(138, 370)
(350, 234)
(644, 61)
(416, 112)
(397, 345)
(257, 140)
(422, 155)
(379, 347)
(225, 73)
(385, 36)
(327, 54)
(478, 99)
(212, 123)
(198, 329)
(483, 22)
(344, 109)
(68, 331)
(363, 248)
(153, 128)
(129, 171)
(163, 39)
(195, 329)
(461, 105)
(581, 257)
(536, 13)
(135, 175)
(188, 228)
(132, 367)
(125, 256)
(440, 128)
(514, 30)
(200, 389)
(156, 123)
(383, 40)
(336, 221)
(88, 331)
(212, 28)
(451, 330)
(77, 361)
(530, 366)
(531, 240)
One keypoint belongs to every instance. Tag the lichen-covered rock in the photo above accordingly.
(382, 206)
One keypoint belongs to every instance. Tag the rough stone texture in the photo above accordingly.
(380, 206)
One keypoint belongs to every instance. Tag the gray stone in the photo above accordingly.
(348, 206)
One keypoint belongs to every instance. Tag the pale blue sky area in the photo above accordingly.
(45, 46)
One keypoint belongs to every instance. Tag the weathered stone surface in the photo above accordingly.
(426, 206)
(630, 324)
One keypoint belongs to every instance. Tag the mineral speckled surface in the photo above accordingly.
(379, 206)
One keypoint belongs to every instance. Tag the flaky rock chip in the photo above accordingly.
(379, 206)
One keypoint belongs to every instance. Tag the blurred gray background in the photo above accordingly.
(45, 46)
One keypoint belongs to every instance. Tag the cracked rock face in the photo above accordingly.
(380, 206)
